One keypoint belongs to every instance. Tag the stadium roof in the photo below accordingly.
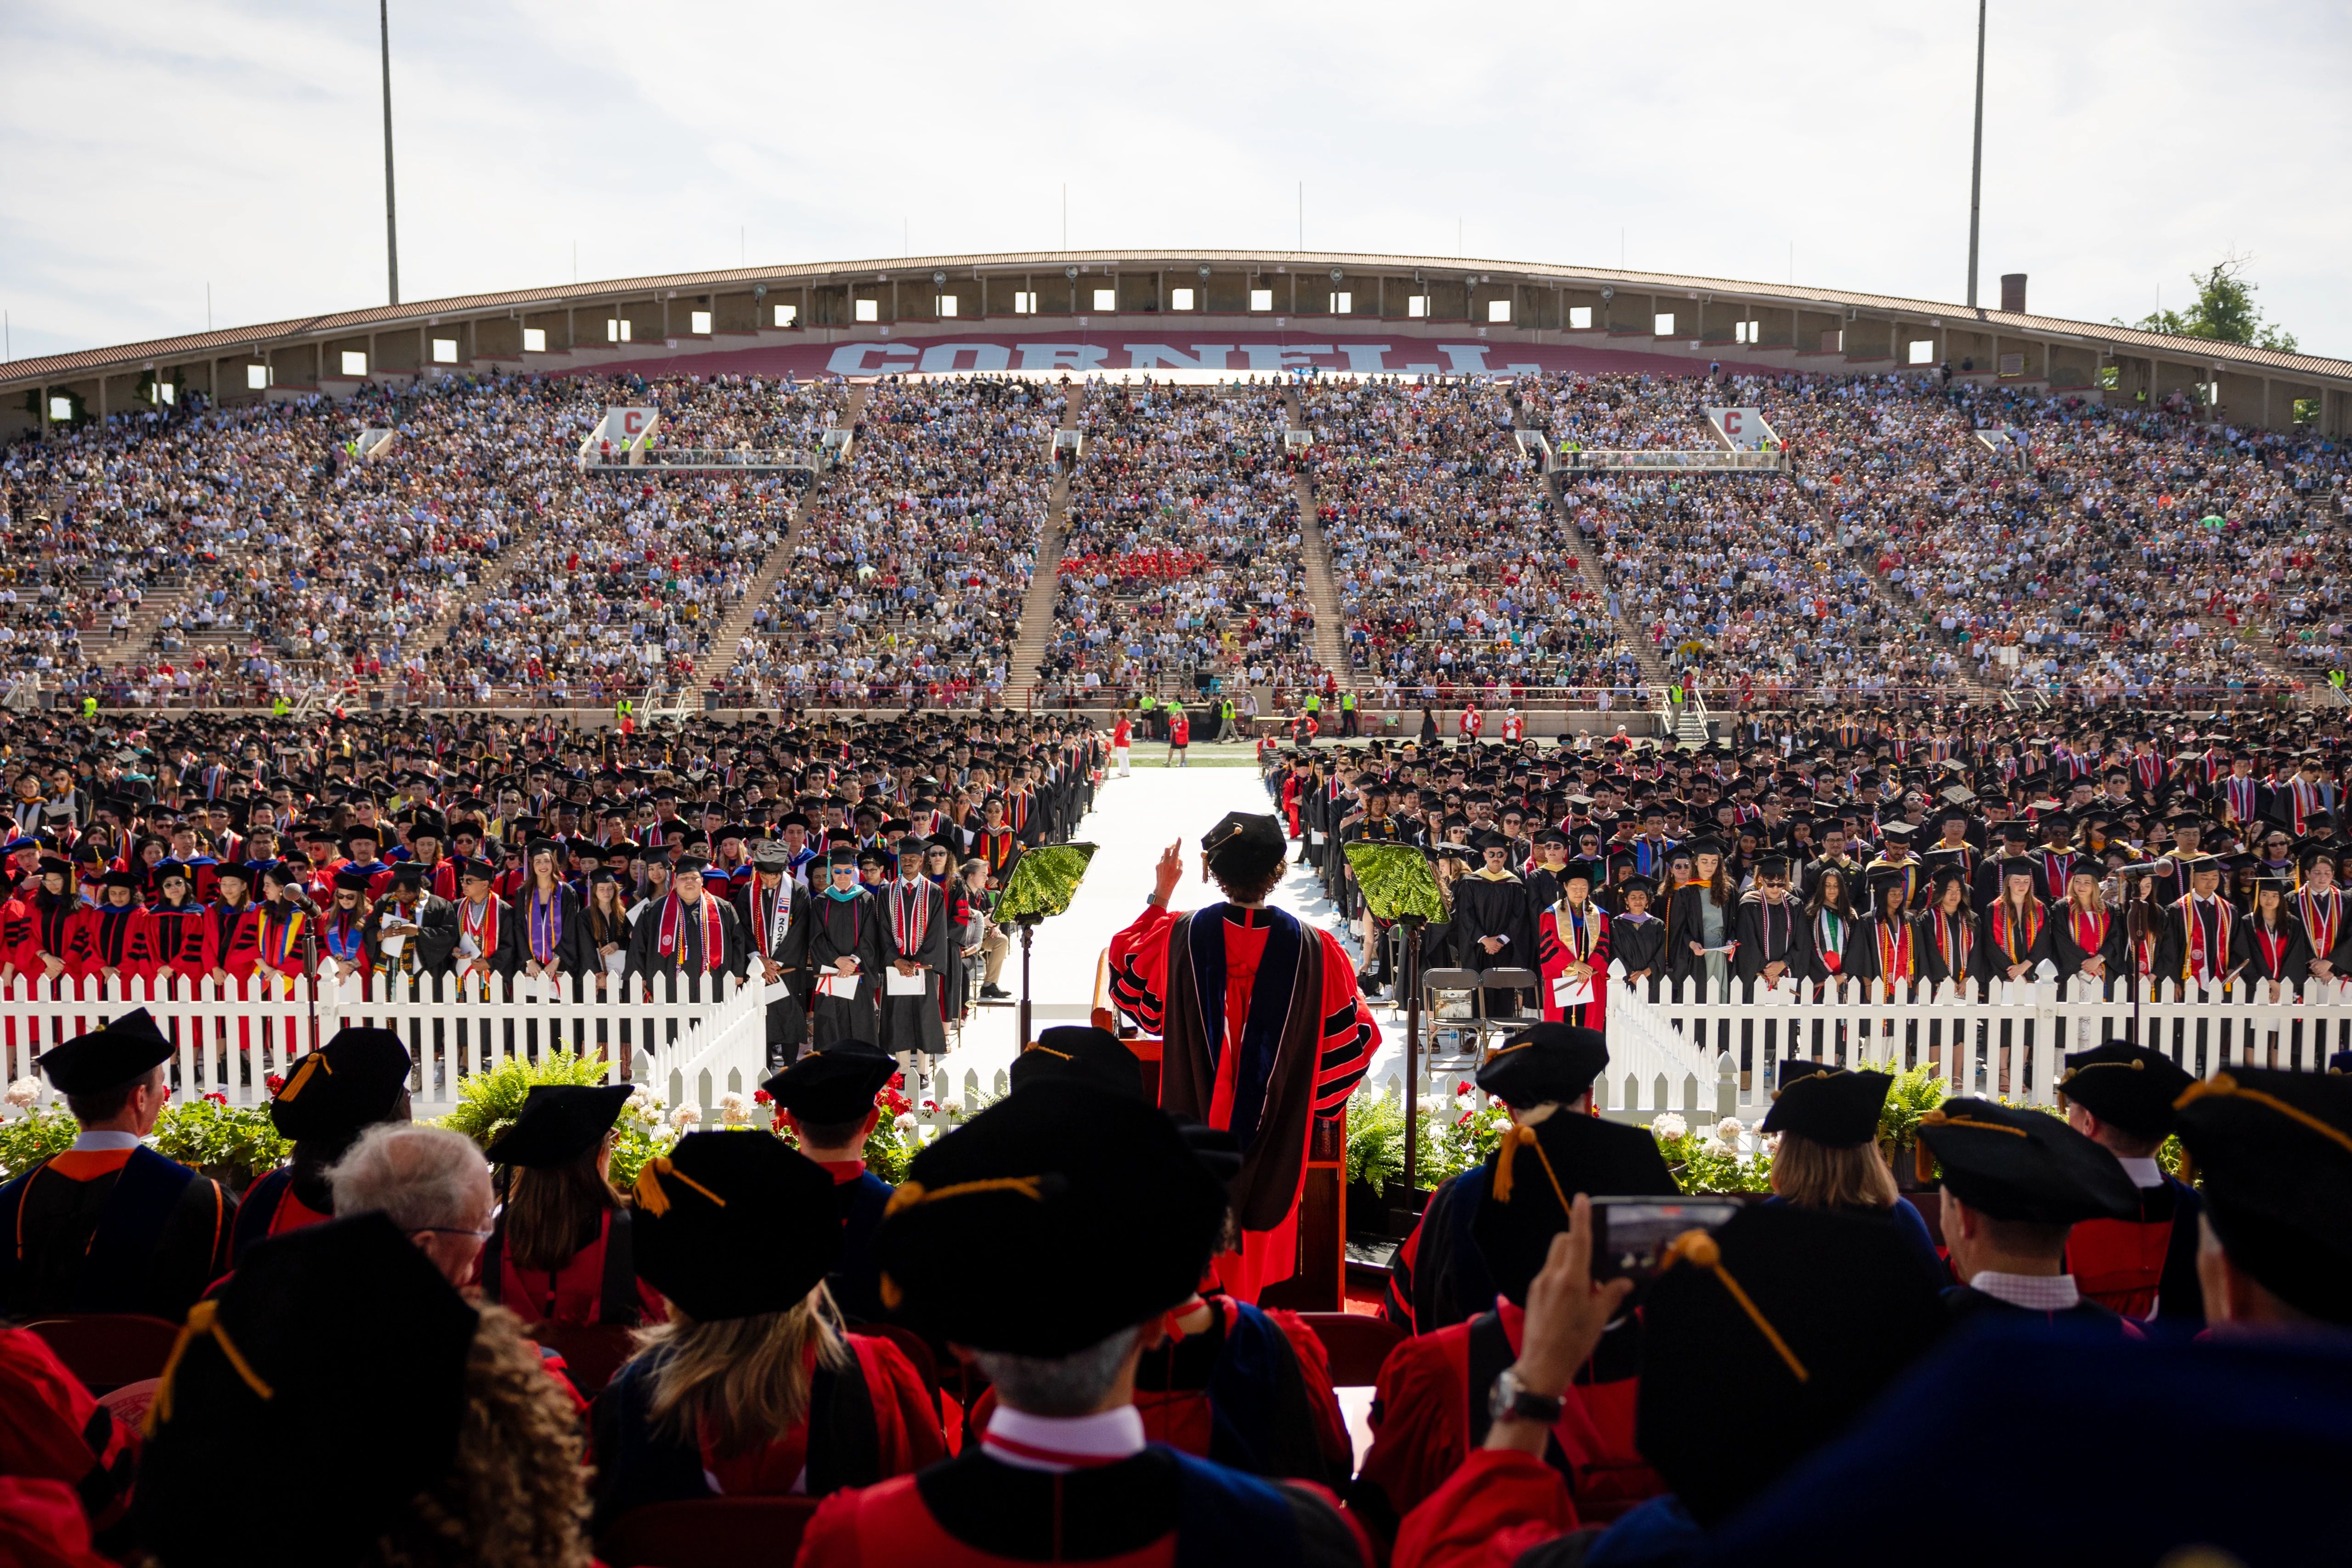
(56, 369)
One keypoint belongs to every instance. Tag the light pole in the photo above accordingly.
(1976, 156)
(391, 227)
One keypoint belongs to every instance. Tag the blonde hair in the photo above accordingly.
(741, 1379)
(516, 1495)
(1815, 1176)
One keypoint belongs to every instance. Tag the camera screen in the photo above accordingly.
(1631, 1235)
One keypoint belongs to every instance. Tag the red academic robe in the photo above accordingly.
(51, 1430)
(175, 941)
(1425, 1412)
(1138, 986)
(1558, 943)
(1499, 1505)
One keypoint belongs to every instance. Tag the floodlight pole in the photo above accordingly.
(1976, 158)
(391, 223)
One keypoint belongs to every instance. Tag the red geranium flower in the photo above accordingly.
(762, 1096)
(274, 1082)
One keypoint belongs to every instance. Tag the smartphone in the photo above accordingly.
(1629, 1236)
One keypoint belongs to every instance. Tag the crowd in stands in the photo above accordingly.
(1453, 572)
(908, 571)
(1181, 567)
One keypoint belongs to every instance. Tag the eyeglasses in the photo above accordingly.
(479, 1237)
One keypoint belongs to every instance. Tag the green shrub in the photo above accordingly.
(488, 1102)
(234, 1144)
(43, 1130)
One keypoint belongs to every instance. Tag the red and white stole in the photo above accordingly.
(2273, 943)
(1951, 940)
(910, 914)
(2089, 928)
(673, 918)
(2195, 957)
(2323, 917)
(2005, 929)
(482, 925)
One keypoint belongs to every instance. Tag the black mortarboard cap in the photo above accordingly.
(731, 1224)
(1545, 1062)
(313, 1321)
(559, 1123)
(1835, 1107)
(354, 1080)
(834, 1085)
(2130, 1086)
(1049, 1222)
(1246, 846)
(2026, 1165)
(107, 1058)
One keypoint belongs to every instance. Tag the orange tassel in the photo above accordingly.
(1507, 1156)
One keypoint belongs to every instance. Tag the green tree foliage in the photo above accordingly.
(2224, 312)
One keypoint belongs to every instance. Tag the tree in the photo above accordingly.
(2225, 310)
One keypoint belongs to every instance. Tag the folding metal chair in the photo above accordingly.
(1491, 1028)
(1450, 1001)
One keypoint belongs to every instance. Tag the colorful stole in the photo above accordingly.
(2321, 927)
(1951, 933)
(545, 918)
(910, 915)
(2005, 929)
(2089, 928)
(1828, 939)
(1895, 954)
(714, 950)
(2192, 924)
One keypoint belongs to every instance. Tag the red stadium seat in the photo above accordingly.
(107, 1349)
(709, 1532)
(591, 1353)
(1356, 1343)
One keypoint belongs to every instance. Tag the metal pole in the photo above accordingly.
(1410, 972)
(1028, 935)
(1976, 158)
(391, 223)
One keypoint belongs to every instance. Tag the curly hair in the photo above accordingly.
(517, 1494)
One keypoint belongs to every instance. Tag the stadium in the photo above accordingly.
(1141, 906)
(748, 382)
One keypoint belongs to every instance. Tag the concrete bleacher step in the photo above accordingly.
(1034, 633)
(715, 663)
(1322, 587)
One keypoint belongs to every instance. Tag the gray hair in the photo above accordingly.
(1068, 1385)
(422, 1177)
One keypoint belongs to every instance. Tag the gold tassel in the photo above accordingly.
(204, 1320)
(1507, 1155)
(302, 1071)
(909, 1193)
(1923, 1160)
(1698, 1247)
(653, 1199)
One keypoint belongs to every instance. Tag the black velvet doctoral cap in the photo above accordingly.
(1545, 1062)
(1836, 1108)
(352, 1082)
(1244, 844)
(2130, 1086)
(1533, 1178)
(560, 1123)
(836, 1084)
(2274, 1152)
(107, 1058)
(1049, 1222)
(731, 1224)
(1082, 1053)
(2024, 1165)
(314, 1323)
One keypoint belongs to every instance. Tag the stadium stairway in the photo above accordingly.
(731, 630)
(1036, 632)
(1331, 617)
(1588, 561)
(1891, 595)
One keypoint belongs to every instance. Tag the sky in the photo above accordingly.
(156, 149)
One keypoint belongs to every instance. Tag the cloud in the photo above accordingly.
(155, 147)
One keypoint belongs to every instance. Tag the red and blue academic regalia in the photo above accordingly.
(111, 1230)
(175, 940)
(2144, 1268)
(203, 875)
(1259, 1061)
(275, 1204)
(1157, 1509)
(598, 1285)
(856, 1282)
(865, 1422)
(1438, 1275)
(1566, 936)
(1429, 1413)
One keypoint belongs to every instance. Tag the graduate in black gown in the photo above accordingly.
(774, 909)
(1051, 1236)
(692, 932)
(845, 945)
(110, 1225)
(358, 1078)
(2015, 1182)
(915, 947)
(1637, 939)
(1494, 921)
(828, 1101)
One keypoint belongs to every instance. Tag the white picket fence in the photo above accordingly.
(1688, 1052)
(233, 1036)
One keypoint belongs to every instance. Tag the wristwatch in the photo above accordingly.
(1511, 1402)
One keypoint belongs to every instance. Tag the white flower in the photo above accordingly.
(685, 1117)
(1436, 1102)
(24, 1093)
(731, 1100)
(1668, 1127)
(1730, 1129)
(905, 1121)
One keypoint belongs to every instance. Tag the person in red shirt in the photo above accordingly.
(1122, 737)
(1180, 736)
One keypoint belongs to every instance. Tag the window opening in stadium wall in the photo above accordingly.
(1498, 310)
(869, 311)
(698, 324)
(1579, 317)
(1179, 299)
(534, 339)
(445, 351)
